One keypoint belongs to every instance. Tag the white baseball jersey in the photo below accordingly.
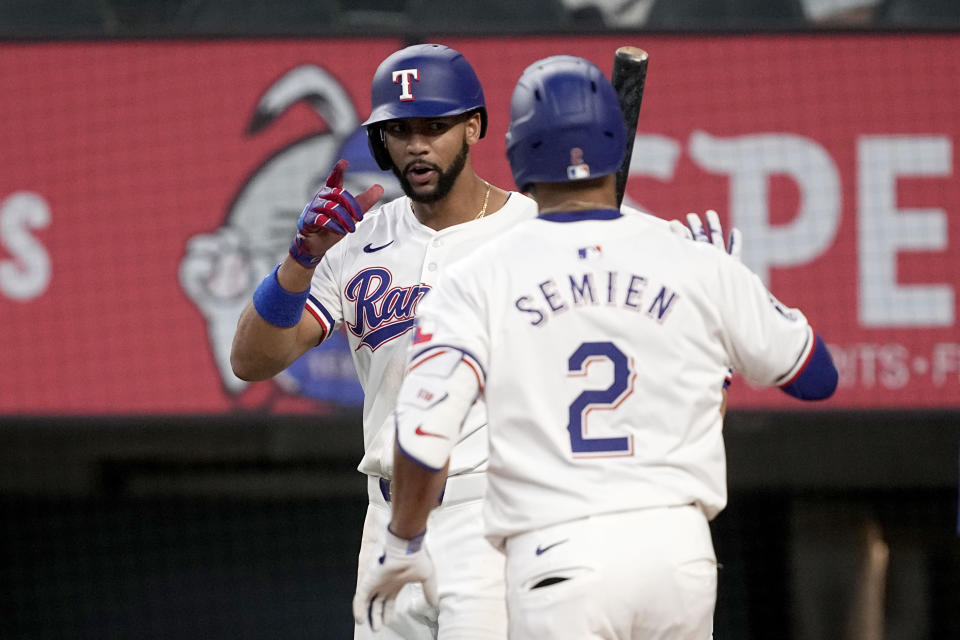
(373, 281)
(603, 342)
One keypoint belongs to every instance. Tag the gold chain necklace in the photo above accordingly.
(486, 198)
(483, 209)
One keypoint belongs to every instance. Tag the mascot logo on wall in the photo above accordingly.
(221, 269)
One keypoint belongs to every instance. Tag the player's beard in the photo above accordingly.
(445, 179)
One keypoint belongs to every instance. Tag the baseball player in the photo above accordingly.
(370, 274)
(600, 343)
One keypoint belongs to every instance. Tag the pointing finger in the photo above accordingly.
(336, 176)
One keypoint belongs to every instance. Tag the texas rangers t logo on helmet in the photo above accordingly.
(404, 75)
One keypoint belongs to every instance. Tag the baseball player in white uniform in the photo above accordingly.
(600, 343)
(370, 274)
(373, 283)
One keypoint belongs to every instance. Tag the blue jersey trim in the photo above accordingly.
(323, 310)
(817, 379)
(577, 216)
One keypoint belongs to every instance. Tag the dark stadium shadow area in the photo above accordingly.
(804, 565)
(750, 537)
(178, 568)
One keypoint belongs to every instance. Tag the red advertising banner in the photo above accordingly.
(147, 187)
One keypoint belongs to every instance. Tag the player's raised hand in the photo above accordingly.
(403, 561)
(712, 232)
(332, 213)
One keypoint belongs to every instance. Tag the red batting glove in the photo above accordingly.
(331, 214)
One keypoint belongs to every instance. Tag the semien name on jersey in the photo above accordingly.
(597, 288)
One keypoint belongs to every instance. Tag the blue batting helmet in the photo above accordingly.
(565, 123)
(421, 81)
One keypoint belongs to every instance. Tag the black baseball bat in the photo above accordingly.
(628, 77)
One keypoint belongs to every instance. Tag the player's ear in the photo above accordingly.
(473, 125)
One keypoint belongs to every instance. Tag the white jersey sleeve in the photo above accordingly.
(768, 342)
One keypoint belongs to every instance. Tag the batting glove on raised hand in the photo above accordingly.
(712, 233)
(403, 561)
(332, 213)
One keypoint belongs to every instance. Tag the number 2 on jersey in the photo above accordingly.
(599, 399)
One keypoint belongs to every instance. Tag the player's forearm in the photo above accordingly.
(415, 491)
(261, 350)
(273, 330)
(293, 276)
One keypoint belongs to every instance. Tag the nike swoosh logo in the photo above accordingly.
(371, 249)
(542, 550)
(421, 432)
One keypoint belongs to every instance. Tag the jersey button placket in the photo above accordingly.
(433, 259)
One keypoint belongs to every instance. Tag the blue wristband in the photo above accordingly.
(276, 305)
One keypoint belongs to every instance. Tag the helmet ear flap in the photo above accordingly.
(378, 147)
